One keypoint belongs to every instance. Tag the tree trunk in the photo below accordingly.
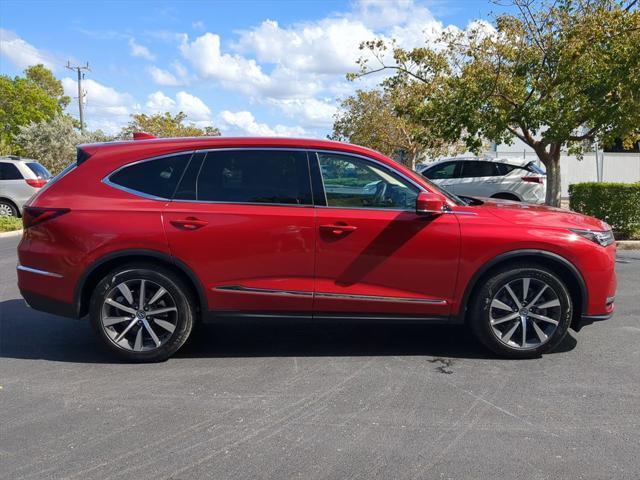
(411, 160)
(551, 161)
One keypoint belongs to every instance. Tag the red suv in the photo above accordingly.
(149, 237)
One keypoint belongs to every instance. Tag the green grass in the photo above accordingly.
(8, 224)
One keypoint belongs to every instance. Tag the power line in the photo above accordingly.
(79, 69)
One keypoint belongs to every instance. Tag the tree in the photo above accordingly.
(21, 102)
(53, 142)
(555, 75)
(166, 125)
(43, 78)
(376, 120)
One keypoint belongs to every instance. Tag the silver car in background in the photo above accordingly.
(487, 177)
(20, 179)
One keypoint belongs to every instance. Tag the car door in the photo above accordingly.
(445, 175)
(478, 178)
(375, 255)
(243, 221)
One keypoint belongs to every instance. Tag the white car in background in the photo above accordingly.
(20, 179)
(487, 177)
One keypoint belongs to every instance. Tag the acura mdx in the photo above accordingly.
(151, 236)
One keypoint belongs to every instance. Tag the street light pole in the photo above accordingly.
(78, 69)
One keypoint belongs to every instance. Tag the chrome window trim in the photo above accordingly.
(107, 178)
(38, 271)
(339, 296)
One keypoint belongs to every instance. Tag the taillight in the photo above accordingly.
(533, 180)
(34, 215)
(36, 182)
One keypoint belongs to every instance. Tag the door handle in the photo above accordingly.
(338, 229)
(189, 223)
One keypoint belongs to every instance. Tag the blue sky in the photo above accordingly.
(249, 67)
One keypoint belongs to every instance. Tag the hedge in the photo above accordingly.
(618, 204)
(8, 224)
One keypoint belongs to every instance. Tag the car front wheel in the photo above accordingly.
(522, 312)
(142, 313)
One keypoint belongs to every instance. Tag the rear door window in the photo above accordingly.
(248, 176)
(476, 168)
(8, 171)
(157, 178)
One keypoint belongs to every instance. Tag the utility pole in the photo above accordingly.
(78, 69)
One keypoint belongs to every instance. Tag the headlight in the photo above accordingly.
(603, 238)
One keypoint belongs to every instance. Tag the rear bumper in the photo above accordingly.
(49, 305)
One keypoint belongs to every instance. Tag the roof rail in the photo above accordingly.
(143, 136)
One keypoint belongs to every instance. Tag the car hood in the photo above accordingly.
(540, 215)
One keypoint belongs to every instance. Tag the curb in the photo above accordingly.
(16, 233)
(628, 244)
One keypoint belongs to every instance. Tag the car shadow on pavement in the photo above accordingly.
(29, 334)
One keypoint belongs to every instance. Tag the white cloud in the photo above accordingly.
(329, 46)
(235, 72)
(21, 53)
(198, 25)
(244, 123)
(141, 51)
(164, 77)
(310, 112)
(194, 107)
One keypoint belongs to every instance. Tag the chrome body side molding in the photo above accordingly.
(339, 296)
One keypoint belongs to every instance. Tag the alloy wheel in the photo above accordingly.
(525, 313)
(139, 315)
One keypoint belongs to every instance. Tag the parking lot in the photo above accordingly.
(287, 400)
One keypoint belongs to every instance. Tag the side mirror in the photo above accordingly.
(429, 204)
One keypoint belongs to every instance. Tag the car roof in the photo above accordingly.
(16, 159)
(510, 161)
(217, 142)
(161, 146)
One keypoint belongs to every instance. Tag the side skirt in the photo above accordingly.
(222, 316)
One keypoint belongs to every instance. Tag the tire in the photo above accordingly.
(149, 338)
(493, 304)
(8, 209)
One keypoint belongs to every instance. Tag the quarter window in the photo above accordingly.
(8, 171)
(249, 176)
(352, 182)
(158, 177)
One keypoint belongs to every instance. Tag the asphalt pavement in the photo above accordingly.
(281, 400)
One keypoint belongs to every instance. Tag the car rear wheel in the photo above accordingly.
(142, 313)
(8, 209)
(522, 312)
